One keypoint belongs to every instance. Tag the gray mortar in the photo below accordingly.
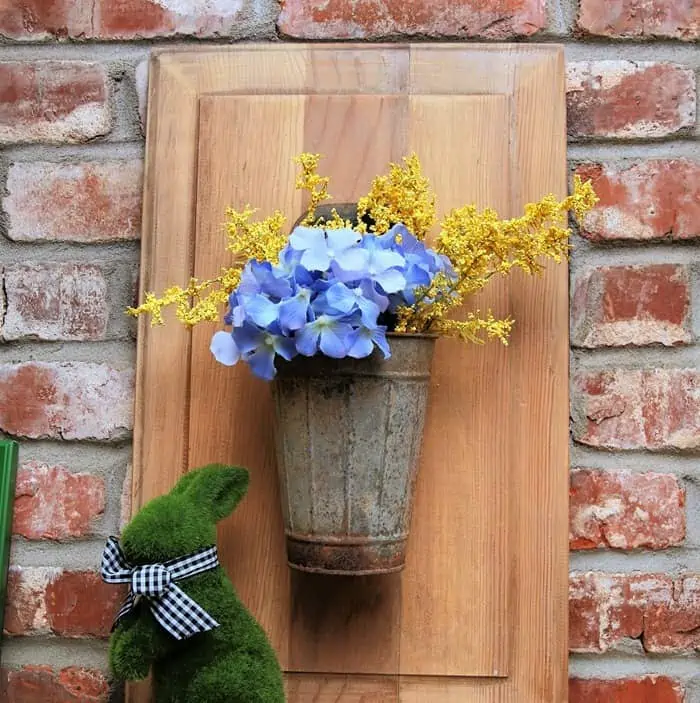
(119, 355)
(90, 654)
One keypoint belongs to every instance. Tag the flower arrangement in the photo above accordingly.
(337, 285)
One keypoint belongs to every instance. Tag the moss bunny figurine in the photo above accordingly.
(229, 659)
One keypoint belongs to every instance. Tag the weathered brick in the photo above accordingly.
(34, 20)
(629, 99)
(42, 684)
(674, 626)
(338, 19)
(615, 306)
(77, 400)
(650, 689)
(55, 302)
(53, 101)
(646, 200)
(43, 601)
(633, 19)
(606, 609)
(85, 202)
(625, 510)
(54, 503)
(652, 409)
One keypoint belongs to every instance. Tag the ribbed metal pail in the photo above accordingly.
(349, 438)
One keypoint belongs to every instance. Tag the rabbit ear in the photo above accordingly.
(218, 489)
(184, 483)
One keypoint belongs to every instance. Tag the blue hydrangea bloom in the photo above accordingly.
(327, 295)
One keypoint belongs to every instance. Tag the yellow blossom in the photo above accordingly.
(315, 185)
(202, 301)
(404, 195)
(478, 245)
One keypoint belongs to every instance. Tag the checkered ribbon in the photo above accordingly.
(171, 606)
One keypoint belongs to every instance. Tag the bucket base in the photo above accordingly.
(345, 556)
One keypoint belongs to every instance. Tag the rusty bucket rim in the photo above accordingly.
(339, 572)
(413, 335)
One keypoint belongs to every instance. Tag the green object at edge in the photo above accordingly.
(8, 476)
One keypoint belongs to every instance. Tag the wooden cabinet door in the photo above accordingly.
(479, 614)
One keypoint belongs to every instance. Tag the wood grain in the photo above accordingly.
(316, 688)
(484, 593)
(460, 514)
(246, 147)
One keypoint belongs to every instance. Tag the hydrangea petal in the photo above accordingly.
(391, 280)
(361, 344)
(293, 312)
(379, 338)
(341, 298)
(285, 347)
(306, 339)
(262, 363)
(303, 238)
(224, 348)
(340, 239)
(370, 312)
(316, 259)
(247, 337)
(354, 260)
(261, 310)
(384, 259)
(332, 342)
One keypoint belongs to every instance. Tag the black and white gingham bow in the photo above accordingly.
(171, 606)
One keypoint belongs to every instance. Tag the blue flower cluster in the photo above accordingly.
(326, 295)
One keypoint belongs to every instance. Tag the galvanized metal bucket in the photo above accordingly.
(349, 435)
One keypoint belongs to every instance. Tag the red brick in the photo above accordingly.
(55, 302)
(652, 409)
(54, 503)
(617, 306)
(625, 510)
(647, 200)
(42, 684)
(77, 400)
(44, 601)
(650, 689)
(85, 202)
(33, 20)
(675, 626)
(339, 19)
(53, 101)
(606, 609)
(629, 99)
(632, 19)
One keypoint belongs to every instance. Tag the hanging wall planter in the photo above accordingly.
(349, 435)
(342, 315)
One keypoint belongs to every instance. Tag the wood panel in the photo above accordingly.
(484, 593)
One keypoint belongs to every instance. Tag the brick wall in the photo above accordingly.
(72, 86)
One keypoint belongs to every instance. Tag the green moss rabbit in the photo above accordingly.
(232, 663)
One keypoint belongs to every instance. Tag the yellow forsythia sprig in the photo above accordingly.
(479, 246)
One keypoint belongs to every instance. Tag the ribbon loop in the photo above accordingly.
(176, 612)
